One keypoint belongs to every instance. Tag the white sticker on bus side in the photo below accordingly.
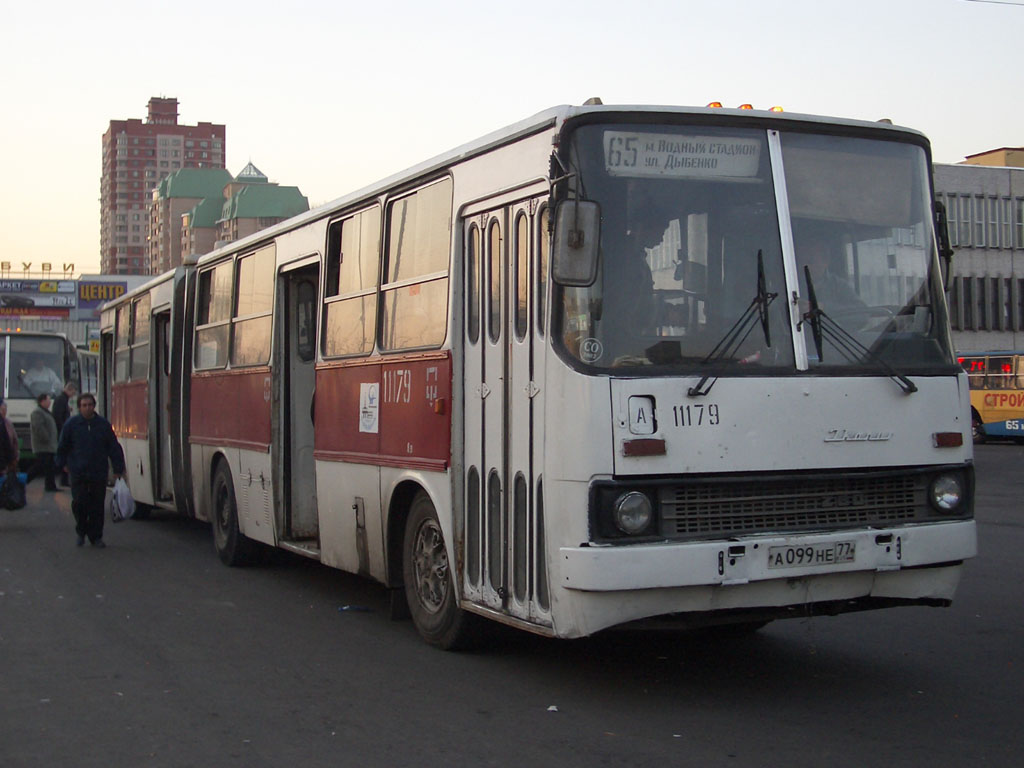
(368, 406)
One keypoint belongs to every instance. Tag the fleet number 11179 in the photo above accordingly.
(699, 415)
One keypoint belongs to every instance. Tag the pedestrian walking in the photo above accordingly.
(44, 441)
(61, 411)
(86, 444)
(62, 404)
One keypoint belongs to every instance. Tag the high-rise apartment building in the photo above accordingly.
(136, 156)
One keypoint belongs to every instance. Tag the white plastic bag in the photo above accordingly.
(122, 505)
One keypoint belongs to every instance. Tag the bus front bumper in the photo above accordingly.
(752, 559)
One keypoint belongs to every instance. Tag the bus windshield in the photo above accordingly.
(691, 254)
(33, 365)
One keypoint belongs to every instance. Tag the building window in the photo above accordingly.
(995, 297)
(951, 220)
(1018, 303)
(1006, 209)
(1020, 222)
(968, 303)
(979, 221)
(992, 204)
(981, 320)
(964, 206)
(1006, 304)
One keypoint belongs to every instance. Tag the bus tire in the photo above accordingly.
(233, 547)
(142, 511)
(977, 428)
(429, 582)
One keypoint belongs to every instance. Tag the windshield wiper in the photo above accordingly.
(737, 334)
(824, 327)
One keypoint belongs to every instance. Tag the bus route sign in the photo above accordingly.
(638, 155)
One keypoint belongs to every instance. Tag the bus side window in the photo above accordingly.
(350, 291)
(213, 315)
(122, 343)
(140, 338)
(254, 302)
(415, 290)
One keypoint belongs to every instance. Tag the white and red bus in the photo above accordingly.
(608, 366)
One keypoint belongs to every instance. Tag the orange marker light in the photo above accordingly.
(746, 106)
(777, 109)
(715, 105)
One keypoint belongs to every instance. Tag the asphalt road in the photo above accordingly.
(151, 653)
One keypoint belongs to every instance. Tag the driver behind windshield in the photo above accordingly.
(820, 251)
(40, 379)
(629, 307)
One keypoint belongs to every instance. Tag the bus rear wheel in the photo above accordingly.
(429, 582)
(233, 547)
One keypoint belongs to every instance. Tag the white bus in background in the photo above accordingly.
(33, 363)
(610, 365)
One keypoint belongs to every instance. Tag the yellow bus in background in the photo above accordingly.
(997, 394)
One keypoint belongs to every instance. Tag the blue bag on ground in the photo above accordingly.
(12, 492)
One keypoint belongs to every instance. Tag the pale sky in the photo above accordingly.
(331, 95)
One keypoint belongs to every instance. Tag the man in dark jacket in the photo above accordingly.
(86, 443)
(62, 412)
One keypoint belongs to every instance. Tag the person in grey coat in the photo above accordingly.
(44, 441)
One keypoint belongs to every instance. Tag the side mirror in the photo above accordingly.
(577, 235)
(945, 249)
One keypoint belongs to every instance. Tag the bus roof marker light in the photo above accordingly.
(776, 109)
(714, 105)
(746, 106)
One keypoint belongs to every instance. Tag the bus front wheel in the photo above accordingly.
(429, 582)
(977, 429)
(233, 547)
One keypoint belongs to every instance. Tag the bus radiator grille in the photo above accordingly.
(759, 505)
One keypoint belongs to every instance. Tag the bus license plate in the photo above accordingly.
(811, 554)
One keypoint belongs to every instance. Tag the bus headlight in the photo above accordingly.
(947, 493)
(632, 512)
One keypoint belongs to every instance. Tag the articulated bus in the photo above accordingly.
(997, 394)
(31, 363)
(645, 366)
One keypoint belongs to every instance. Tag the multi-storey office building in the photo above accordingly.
(985, 206)
(136, 156)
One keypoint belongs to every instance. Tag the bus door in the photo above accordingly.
(162, 443)
(501, 419)
(297, 378)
